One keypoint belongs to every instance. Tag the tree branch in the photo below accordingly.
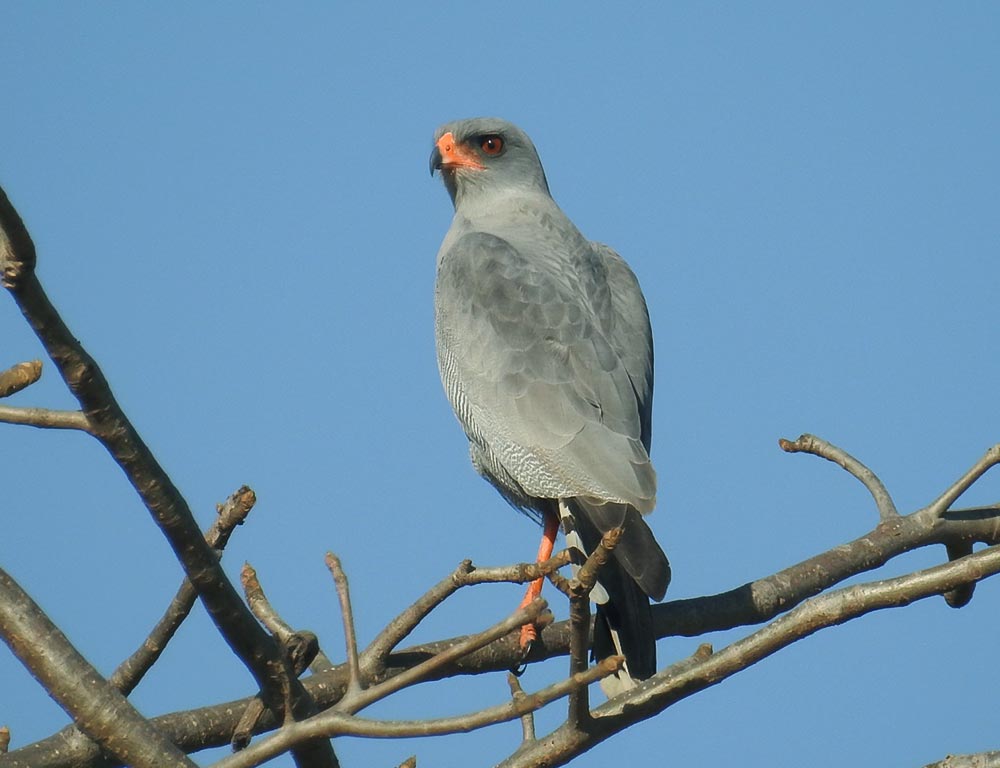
(980, 760)
(108, 423)
(354, 681)
(333, 723)
(97, 708)
(819, 447)
(231, 513)
(19, 376)
(45, 418)
(680, 681)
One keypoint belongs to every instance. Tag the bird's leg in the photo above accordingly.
(551, 519)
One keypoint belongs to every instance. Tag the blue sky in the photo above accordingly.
(232, 210)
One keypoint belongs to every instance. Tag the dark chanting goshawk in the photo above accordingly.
(545, 351)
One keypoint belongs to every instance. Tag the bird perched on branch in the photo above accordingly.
(545, 350)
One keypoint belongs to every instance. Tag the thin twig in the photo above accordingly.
(528, 718)
(354, 682)
(45, 418)
(820, 447)
(586, 575)
(374, 657)
(19, 376)
(231, 513)
(941, 504)
(331, 723)
(579, 619)
(261, 606)
(519, 618)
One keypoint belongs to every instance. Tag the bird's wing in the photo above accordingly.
(533, 375)
(631, 335)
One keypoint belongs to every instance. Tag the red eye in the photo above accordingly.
(492, 145)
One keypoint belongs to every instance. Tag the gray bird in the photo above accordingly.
(545, 351)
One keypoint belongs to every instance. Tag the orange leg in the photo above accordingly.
(528, 631)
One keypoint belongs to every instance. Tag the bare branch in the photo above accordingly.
(586, 576)
(19, 376)
(753, 603)
(693, 675)
(528, 718)
(980, 760)
(231, 513)
(579, 618)
(109, 424)
(354, 683)
(333, 723)
(373, 659)
(97, 708)
(761, 600)
(819, 447)
(45, 418)
(990, 459)
(425, 670)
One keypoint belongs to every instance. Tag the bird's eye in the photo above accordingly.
(492, 145)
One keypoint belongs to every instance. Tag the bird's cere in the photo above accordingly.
(456, 155)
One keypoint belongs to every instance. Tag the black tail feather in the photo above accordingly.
(627, 611)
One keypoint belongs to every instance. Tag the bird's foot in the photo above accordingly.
(528, 635)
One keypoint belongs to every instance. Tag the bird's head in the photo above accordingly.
(485, 155)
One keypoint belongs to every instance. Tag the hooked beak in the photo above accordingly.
(435, 160)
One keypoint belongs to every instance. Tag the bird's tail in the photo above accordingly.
(624, 621)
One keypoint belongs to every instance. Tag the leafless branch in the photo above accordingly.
(45, 418)
(819, 447)
(579, 620)
(528, 718)
(299, 649)
(681, 681)
(980, 760)
(109, 424)
(373, 659)
(19, 376)
(334, 723)
(448, 655)
(989, 460)
(231, 513)
(354, 682)
(97, 708)
(112, 428)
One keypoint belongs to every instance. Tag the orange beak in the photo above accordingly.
(449, 154)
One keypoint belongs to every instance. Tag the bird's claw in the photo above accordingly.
(518, 669)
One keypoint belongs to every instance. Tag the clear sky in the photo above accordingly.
(232, 209)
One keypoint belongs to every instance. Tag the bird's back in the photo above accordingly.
(544, 349)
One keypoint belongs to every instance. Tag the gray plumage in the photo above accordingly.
(545, 351)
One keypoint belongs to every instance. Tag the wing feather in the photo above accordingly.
(538, 374)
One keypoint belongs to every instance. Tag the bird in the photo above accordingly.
(545, 351)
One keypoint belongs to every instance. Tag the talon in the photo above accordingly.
(518, 669)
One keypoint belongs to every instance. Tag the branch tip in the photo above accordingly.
(19, 376)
